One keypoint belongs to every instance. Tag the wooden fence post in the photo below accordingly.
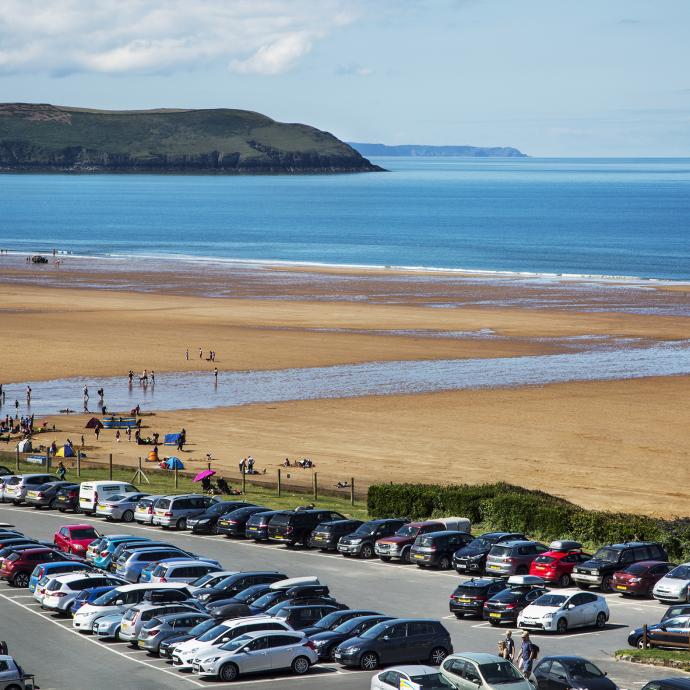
(278, 482)
(352, 491)
(17, 460)
(315, 482)
(644, 636)
(78, 463)
(176, 476)
(110, 466)
(244, 483)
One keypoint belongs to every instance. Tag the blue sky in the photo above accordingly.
(551, 77)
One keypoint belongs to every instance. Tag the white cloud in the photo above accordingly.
(355, 69)
(149, 36)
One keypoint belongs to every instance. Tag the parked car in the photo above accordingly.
(436, 549)
(45, 495)
(207, 522)
(562, 612)
(88, 595)
(167, 645)
(333, 620)
(18, 566)
(4, 484)
(174, 511)
(107, 550)
(401, 640)
(75, 538)
(513, 557)
(472, 558)
(420, 676)
(398, 546)
(599, 570)
(134, 618)
(326, 641)
(470, 670)
(505, 606)
(256, 652)
(233, 584)
(326, 535)
(299, 616)
(5, 471)
(565, 672)
(17, 486)
(469, 597)
(132, 561)
(362, 541)
(257, 525)
(143, 513)
(557, 564)
(67, 498)
(674, 611)
(119, 507)
(234, 524)
(108, 627)
(224, 609)
(90, 493)
(285, 590)
(53, 568)
(295, 527)
(128, 546)
(668, 633)
(668, 684)
(12, 676)
(187, 570)
(166, 626)
(639, 579)
(674, 586)
(62, 590)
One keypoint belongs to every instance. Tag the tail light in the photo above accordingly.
(149, 510)
(104, 553)
(510, 606)
(60, 594)
(233, 522)
(162, 579)
(167, 514)
(432, 548)
(152, 633)
(40, 494)
(72, 494)
(288, 529)
(510, 560)
(310, 644)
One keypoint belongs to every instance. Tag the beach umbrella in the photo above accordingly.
(202, 475)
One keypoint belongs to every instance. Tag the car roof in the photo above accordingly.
(152, 585)
(517, 542)
(234, 622)
(188, 561)
(40, 549)
(478, 657)
(629, 544)
(78, 526)
(497, 534)
(54, 564)
(414, 669)
(260, 633)
(681, 683)
(66, 578)
(443, 533)
(565, 657)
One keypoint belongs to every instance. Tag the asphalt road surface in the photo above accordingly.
(62, 658)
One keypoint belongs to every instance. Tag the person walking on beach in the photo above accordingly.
(16, 408)
(153, 377)
(186, 354)
(201, 353)
(86, 393)
(117, 436)
(130, 376)
(97, 431)
(28, 394)
(215, 373)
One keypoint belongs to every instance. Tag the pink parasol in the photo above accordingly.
(202, 475)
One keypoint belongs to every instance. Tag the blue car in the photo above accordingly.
(86, 596)
(54, 568)
(105, 554)
(664, 634)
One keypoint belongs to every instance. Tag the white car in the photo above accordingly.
(422, 676)
(255, 652)
(561, 612)
(62, 590)
(6, 481)
(183, 654)
(674, 586)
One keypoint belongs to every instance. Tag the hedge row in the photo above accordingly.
(512, 508)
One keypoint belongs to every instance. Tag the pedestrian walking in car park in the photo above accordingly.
(501, 648)
(509, 646)
(528, 653)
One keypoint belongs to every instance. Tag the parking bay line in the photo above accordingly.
(102, 646)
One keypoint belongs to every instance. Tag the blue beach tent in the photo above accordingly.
(174, 464)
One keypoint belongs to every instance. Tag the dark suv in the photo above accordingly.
(326, 535)
(399, 641)
(436, 549)
(361, 541)
(257, 525)
(235, 524)
(505, 606)
(472, 558)
(235, 583)
(296, 526)
(67, 498)
(469, 598)
(598, 572)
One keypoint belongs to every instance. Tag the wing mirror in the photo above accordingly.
(386, 637)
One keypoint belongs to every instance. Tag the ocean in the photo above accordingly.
(580, 217)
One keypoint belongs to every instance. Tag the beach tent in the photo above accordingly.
(174, 464)
(94, 423)
(24, 446)
(65, 452)
(171, 439)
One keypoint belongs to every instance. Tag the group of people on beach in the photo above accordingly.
(101, 394)
(304, 463)
(211, 355)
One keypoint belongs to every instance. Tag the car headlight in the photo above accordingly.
(201, 521)
(355, 541)
(351, 650)
(319, 643)
(476, 558)
(548, 616)
(212, 660)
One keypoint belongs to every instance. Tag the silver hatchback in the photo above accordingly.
(136, 617)
(513, 557)
(165, 626)
(119, 507)
(173, 511)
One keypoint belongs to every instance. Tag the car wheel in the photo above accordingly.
(214, 529)
(53, 505)
(385, 559)
(581, 585)
(330, 654)
(128, 516)
(493, 622)
(438, 654)
(300, 665)
(562, 626)
(640, 644)
(607, 584)
(62, 510)
(228, 672)
(405, 555)
(601, 621)
(459, 615)
(564, 580)
(21, 580)
(444, 563)
(116, 635)
(12, 687)
(367, 551)
(369, 661)
(181, 523)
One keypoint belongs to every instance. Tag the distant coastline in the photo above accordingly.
(423, 150)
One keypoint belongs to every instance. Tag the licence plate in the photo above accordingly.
(419, 556)
(464, 600)
(252, 529)
(622, 587)
(100, 508)
(493, 567)
(140, 643)
(494, 615)
(32, 494)
(278, 536)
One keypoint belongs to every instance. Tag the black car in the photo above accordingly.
(234, 524)
(300, 616)
(237, 606)
(166, 645)
(471, 558)
(207, 522)
(277, 596)
(505, 606)
(469, 598)
(436, 549)
(67, 498)
(326, 535)
(295, 527)
(599, 570)
(564, 672)
(45, 496)
(397, 641)
(257, 525)
(326, 641)
(235, 583)
(5, 471)
(668, 684)
(333, 620)
(361, 541)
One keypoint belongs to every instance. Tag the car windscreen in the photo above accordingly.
(682, 572)
(606, 554)
(375, 631)
(247, 596)
(365, 530)
(83, 533)
(202, 627)
(204, 579)
(550, 600)
(582, 669)
(407, 531)
(108, 598)
(266, 599)
(431, 681)
(348, 626)
(236, 643)
(219, 509)
(213, 633)
(480, 543)
(327, 621)
(499, 672)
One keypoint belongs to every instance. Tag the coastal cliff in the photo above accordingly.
(48, 138)
(437, 151)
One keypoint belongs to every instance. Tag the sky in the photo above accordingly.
(550, 77)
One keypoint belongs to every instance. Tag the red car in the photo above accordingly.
(75, 538)
(399, 545)
(639, 579)
(557, 564)
(17, 567)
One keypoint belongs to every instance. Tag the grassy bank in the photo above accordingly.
(656, 657)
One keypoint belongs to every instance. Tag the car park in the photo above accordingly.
(674, 586)
(472, 558)
(234, 524)
(18, 566)
(436, 549)
(207, 522)
(174, 511)
(45, 570)
(17, 486)
(257, 652)
(134, 618)
(398, 546)
(556, 565)
(513, 557)
(554, 612)
(119, 507)
(599, 570)
(640, 578)
(233, 584)
(326, 535)
(401, 640)
(257, 525)
(362, 541)
(143, 512)
(471, 670)
(132, 561)
(469, 597)
(62, 590)
(187, 570)
(326, 641)
(91, 493)
(295, 526)
(505, 606)
(411, 676)
(75, 538)
(564, 672)
(671, 632)
(45, 495)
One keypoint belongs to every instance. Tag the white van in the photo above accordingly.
(92, 492)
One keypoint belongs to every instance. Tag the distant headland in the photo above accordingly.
(49, 138)
(431, 151)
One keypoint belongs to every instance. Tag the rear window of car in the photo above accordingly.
(281, 519)
(13, 481)
(53, 586)
(163, 503)
(470, 590)
(86, 533)
(500, 551)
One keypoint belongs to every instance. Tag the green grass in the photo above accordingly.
(657, 657)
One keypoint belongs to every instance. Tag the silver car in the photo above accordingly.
(108, 627)
(17, 486)
(137, 616)
(119, 507)
(255, 652)
(173, 511)
(143, 513)
(62, 590)
(165, 626)
(5, 481)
